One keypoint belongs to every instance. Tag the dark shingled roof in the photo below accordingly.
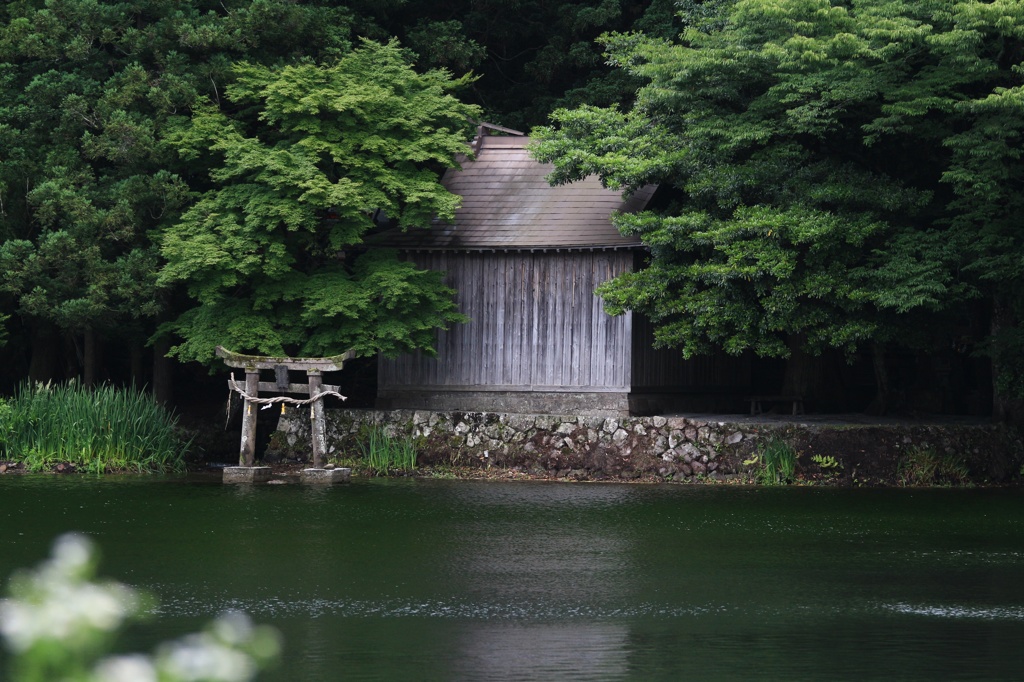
(507, 204)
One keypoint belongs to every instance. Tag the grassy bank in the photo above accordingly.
(97, 430)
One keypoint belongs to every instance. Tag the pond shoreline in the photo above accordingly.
(837, 450)
(827, 450)
(290, 471)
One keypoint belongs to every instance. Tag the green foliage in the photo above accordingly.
(443, 43)
(86, 88)
(777, 461)
(308, 160)
(89, 189)
(826, 461)
(59, 622)
(98, 430)
(1006, 348)
(841, 173)
(532, 55)
(384, 454)
(6, 424)
(921, 466)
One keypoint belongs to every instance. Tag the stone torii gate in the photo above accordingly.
(314, 367)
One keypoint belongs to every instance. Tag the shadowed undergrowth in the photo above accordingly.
(100, 429)
(384, 453)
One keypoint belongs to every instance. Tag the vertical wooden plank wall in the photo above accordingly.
(536, 325)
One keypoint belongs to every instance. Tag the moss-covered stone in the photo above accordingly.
(674, 448)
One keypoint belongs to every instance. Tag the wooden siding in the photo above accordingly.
(536, 325)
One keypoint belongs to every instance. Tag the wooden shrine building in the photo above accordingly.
(525, 258)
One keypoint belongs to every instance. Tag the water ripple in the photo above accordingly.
(277, 607)
(457, 610)
(954, 611)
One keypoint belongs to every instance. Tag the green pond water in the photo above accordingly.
(460, 580)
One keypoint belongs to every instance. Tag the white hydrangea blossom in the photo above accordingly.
(200, 657)
(132, 668)
(228, 652)
(66, 611)
(59, 602)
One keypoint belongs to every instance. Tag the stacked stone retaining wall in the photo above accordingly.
(671, 448)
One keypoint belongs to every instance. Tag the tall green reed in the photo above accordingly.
(384, 454)
(777, 460)
(99, 429)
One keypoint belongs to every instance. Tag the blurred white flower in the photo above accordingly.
(72, 553)
(201, 657)
(229, 651)
(133, 668)
(17, 624)
(57, 601)
(197, 658)
(60, 604)
(232, 627)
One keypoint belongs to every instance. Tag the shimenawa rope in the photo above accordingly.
(267, 402)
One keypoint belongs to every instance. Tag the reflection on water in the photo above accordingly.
(956, 611)
(480, 610)
(541, 496)
(542, 651)
(534, 581)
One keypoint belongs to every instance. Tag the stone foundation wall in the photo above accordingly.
(675, 448)
(605, 404)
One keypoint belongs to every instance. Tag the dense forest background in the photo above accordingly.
(94, 174)
(839, 180)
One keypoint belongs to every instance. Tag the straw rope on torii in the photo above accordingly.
(315, 388)
(267, 402)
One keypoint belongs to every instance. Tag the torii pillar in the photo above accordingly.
(314, 367)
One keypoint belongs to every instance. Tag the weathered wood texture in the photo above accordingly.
(507, 203)
(301, 389)
(316, 420)
(536, 325)
(247, 451)
(328, 364)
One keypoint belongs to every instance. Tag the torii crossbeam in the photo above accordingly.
(282, 365)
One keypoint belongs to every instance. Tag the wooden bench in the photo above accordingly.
(757, 402)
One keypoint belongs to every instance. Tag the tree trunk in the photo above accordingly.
(881, 404)
(45, 345)
(1004, 408)
(995, 326)
(90, 363)
(138, 359)
(803, 370)
(163, 377)
(72, 355)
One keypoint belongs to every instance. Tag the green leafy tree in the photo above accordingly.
(86, 88)
(844, 174)
(305, 160)
(531, 55)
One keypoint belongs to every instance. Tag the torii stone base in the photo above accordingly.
(339, 475)
(246, 474)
